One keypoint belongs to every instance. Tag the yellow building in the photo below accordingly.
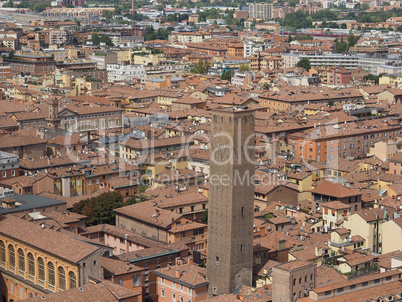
(334, 212)
(392, 80)
(369, 225)
(35, 259)
(123, 56)
(392, 236)
(147, 59)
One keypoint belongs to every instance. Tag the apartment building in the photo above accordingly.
(132, 148)
(150, 221)
(102, 59)
(368, 224)
(118, 73)
(395, 164)
(9, 165)
(185, 282)
(260, 10)
(326, 192)
(327, 142)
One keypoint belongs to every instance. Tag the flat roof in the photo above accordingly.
(27, 202)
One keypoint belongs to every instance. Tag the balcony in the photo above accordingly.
(343, 244)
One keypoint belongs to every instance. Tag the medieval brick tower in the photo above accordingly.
(53, 115)
(230, 207)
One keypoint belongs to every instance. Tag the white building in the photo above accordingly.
(117, 73)
(251, 47)
(260, 10)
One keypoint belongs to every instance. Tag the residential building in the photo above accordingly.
(368, 224)
(339, 76)
(384, 150)
(260, 10)
(102, 59)
(118, 73)
(326, 192)
(185, 282)
(391, 230)
(293, 280)
(9, 165)
(334, 213)
(395, 164)
(328, 142)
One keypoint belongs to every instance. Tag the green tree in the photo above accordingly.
(266, 85)
(204, 218)
(268, 216)
(10, 54)
(107, 14)
(244, 67)
(200, 67)
(304, 63)
(364, 6)
(227, 75)
(372, 77)
(341, 46)
(330, 103)
(99, 209)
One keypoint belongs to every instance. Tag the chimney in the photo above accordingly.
(190, 261)
(281, 244)
(177, 274)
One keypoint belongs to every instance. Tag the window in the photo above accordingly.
(340, 290)
(31, 264)
(89, 183)
(62, 278)
(21, 260)
(121, 281)
(72, 280)
(388, 278)
(11, 255)
(181, 287)
(52, 276)
(353, 286)
(376, 281)
(2, 252)
(328, 292)
(173, 297)
(163, 280)
(13, 173)
(41, 267)
(21, 292)
(364, 283)
(162, 292)
(4, 174)
(242, 211)
(136, 280)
